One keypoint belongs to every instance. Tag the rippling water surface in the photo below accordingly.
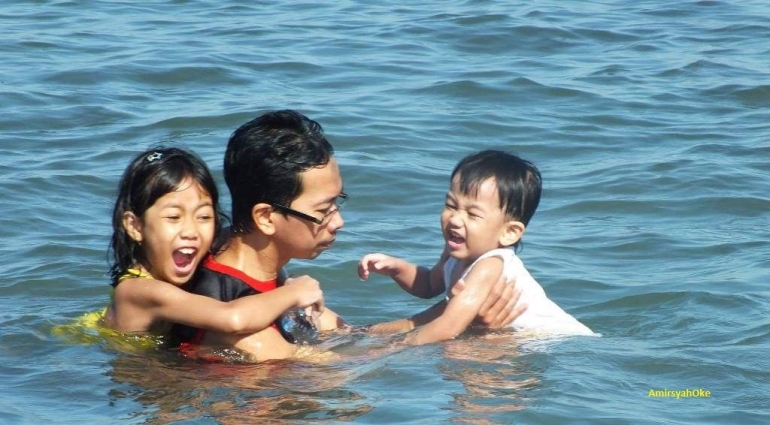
(650, 121)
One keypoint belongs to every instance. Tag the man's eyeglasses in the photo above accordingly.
(319, 221)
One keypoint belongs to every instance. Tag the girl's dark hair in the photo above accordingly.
(264, 159)
(151, 175)
(518, 181)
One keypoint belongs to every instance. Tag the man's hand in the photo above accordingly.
(499, 309)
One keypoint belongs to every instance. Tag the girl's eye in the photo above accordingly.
(205, 217)
(450, 206)
(173, 217)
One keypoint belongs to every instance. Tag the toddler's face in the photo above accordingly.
(472, 224)
(177, 232)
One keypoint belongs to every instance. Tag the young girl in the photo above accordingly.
(492, 196)
(164, 222)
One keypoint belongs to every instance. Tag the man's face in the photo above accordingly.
(301, 238)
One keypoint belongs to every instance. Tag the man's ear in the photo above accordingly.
(512, 232)
(133, 226)
(262, 218)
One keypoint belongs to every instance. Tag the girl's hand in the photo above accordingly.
(308, 292)
(378, 263)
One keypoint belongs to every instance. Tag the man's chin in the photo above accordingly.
(314, 255)
(317, 252)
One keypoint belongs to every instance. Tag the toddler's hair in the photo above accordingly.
(518, 181)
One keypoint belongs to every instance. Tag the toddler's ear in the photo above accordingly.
(133, 226)
(511, 233)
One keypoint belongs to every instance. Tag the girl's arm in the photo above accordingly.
(248, 314)
(462, 309)
(416, 280)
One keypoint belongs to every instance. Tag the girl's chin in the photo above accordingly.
(180, 276)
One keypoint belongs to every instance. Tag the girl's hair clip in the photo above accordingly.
(153, 156)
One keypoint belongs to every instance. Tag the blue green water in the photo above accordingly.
(650, 121)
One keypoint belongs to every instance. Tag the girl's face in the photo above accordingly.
(176, 232)
(473, 225)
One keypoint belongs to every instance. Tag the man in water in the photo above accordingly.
(286, 192)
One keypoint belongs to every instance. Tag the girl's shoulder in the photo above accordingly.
(134, 273)
(140, 290)
(129, 281)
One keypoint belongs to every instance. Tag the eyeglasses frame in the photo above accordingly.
(342, 197)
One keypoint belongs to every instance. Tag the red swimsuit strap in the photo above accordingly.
(257, 285)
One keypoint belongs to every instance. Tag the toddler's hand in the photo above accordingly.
(378, 263)
(308, 291)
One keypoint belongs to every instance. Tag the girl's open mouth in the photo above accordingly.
(184, 259)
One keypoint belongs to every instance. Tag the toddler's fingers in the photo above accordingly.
(378, 265)
(363, 271)
(365, 264)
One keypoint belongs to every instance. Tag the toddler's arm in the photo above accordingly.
(416, 280)
(462, 309)
(499, 309)
(407, 324)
